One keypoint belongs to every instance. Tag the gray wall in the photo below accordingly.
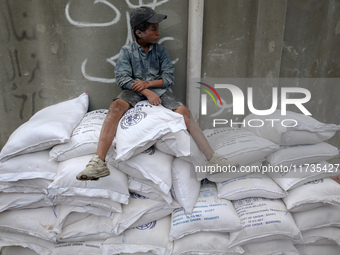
(54, 50)
(294, 40)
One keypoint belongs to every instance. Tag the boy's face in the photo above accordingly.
(151, 35)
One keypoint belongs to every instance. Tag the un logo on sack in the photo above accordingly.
(132, 118)
(150, 225)
(150, 151)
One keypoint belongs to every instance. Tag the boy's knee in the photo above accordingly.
(184, 111)
(118, 106)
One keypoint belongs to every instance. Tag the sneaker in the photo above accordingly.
(218, 161)
(95, 169)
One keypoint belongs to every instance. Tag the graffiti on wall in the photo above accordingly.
(13, 75)
(116, 17)
(21, 61)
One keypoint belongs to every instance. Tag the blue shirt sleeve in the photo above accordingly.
(123, 70)
(167, 69)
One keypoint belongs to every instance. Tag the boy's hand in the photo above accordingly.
(138, 86)
(152, 97)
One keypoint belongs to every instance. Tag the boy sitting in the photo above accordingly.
(144, 71)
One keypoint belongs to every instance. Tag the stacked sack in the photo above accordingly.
(159, 197)
(313, 198)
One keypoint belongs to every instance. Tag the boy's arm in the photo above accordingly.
(140, 85)
(151, 96)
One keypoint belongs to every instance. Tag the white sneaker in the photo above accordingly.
(95, 169)
(218, 164)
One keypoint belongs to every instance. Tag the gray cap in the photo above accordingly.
(143, 14)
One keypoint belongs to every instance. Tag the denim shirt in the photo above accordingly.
(134, 64)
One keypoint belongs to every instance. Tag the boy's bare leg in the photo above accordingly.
(201, 139)
(196, 132)
(109, 128)
(97, 168)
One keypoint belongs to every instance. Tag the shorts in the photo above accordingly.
(169, 101)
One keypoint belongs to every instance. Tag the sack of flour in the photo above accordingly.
(90, 228)
(84, 138)
(289, 178)
(290, 129)
(151, 238)
(185, 186)
(210, 213)
(318, 249)
(277, 247)
(205, 243)
(182, 145)
(312, 195)
(141, 126)
(138, 207)
(302, 154)
(150, 164)
(17, 250)
(263, 219)
(148, 189)
(113, 187)
(321, 236)
(239, 145)
(33, 245)
(311, 219)
(28, 166)
(46, 128)
(253, 185)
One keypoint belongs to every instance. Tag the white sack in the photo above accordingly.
(17, 200)
(141, 126)
(253, 185)
(84, 138)
(274, 247)
(40, 246)
(239, 145)
(263, 220)
(181, 145)
(90, 228)
(28, 166)
(318, 249)
(312, 195)
(297, 176)
(150, 164)
(148, 189)
(302, 154)
(67, 214)
(209, 214)
(325, 216)
(113, 187)
(321, 236)
(185, 185)
(254, 167)
(78, 248)
(38, 222)
(46, 128)
(307, 131)
(17, 250)
(92, 203)
(138, 207)
(26, 186)
(151, 238)
(205, 243)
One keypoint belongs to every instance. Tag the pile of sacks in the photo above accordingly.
(159, 197)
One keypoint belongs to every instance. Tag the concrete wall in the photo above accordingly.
(294, 40)
(54, 50)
